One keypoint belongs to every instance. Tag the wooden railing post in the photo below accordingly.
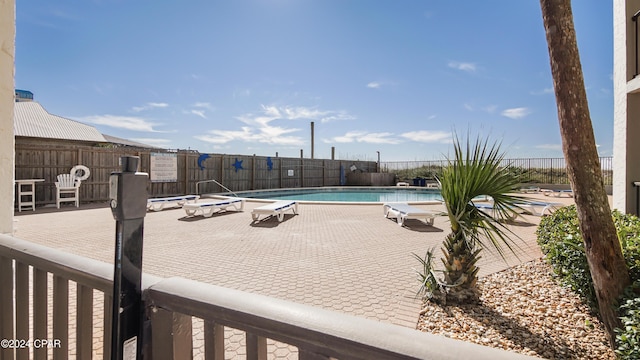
(6, 305)
(213, 341)
(256, 347)
(84, 322)
(22, 308)
(40, 301)
(170, 335)
(61, 317)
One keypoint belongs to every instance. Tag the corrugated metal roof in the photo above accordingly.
(126, 142)
(32, 120)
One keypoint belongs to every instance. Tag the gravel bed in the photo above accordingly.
(523, 310)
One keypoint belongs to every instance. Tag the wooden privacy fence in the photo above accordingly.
(235, 172)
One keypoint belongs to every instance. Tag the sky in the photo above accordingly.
(387, 78)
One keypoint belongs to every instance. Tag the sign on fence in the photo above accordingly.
(163, 167)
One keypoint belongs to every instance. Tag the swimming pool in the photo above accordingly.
(366, 194)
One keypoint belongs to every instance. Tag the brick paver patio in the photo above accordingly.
(346, 258)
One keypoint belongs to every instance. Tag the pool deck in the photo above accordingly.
(346, 258)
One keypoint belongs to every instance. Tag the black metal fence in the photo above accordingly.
(530, 170)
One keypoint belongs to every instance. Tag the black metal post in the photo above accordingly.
(634, 18)
(128, 201)
(637, 185)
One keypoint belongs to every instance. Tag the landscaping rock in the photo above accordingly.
(524, 310)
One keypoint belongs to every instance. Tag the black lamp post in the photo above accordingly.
(128, 201)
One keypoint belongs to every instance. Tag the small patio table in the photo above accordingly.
(26, 188)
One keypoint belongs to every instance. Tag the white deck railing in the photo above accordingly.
(35, 279)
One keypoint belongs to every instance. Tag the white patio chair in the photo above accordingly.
(69, 184)
(66, 185)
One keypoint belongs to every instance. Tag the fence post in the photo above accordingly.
(186, 173)
(222, 172)
(253, 172)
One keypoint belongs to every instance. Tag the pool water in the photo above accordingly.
(341, 194)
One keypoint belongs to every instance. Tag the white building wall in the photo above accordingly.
(626, 135)
(7, 93)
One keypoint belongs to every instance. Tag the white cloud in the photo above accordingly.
(260, 128)
(428, 136)
(269, 135)
(337, 116)
(374, 85)
(378, 138)
(294, 113)
(364, 137)
(346, 138)
(122, 122)
(149, 106)
(463, 66)
(302, 113)
(199, 113)
(516, 113)
(225, 136)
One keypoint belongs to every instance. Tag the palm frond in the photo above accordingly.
(474, 172)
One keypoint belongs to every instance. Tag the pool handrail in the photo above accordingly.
(212, 180)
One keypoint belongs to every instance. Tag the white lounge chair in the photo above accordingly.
(489, 208)
(275, 209)
(158, 204)
(557, 193)
(209, 208)
(529, 189)
(402, 212)
(539, 208)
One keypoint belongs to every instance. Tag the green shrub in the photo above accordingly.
(628, 338)
(629, 235)
(561, 242)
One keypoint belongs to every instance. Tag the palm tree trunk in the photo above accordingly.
(461, 272)
(604, 254)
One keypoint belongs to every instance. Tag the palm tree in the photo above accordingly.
(604, 254)
(477, 172)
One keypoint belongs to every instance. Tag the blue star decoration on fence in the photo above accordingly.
(201, 159)
(269, 163)
(237, 164)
